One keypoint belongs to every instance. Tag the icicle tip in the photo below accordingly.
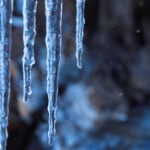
(79, 59)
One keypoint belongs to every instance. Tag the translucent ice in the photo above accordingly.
(53, 11)
(29, 32)
(80, 5)
(5, 50)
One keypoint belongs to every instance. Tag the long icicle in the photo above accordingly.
(53, 11)
(5, 52)
(80, 21)
(29, 32)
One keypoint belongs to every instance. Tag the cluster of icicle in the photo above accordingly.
(53, 12)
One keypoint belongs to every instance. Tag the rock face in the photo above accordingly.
(104, 106)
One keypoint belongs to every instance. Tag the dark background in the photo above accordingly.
(103, 106)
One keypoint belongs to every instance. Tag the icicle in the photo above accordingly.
(29, 32)
(80, 5)
(53, 11)
(5, 42)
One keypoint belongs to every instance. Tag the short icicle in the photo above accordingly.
(80, 21)
(53, 11)
(5, 52)
(29, 32)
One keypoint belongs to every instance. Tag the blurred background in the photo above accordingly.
(103, 106)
